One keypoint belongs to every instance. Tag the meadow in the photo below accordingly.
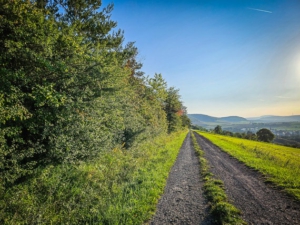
(279, 164)
(120, 187)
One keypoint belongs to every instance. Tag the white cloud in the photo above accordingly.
(260, 10)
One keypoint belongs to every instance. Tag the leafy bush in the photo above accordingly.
(118, 187)
(265, 135)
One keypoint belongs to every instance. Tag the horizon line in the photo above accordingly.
(244, 116)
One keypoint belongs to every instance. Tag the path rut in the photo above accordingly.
(183, 201)
(260, 203)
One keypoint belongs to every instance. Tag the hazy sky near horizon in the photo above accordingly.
(226, 57)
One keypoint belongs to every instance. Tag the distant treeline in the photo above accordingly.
(218, 130)
(290, 141)
(71, 88)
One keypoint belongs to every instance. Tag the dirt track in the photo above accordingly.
(259, 202)
(183, 201)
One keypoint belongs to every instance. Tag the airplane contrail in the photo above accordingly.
(260, 10)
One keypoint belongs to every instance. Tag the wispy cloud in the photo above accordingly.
(260, 10)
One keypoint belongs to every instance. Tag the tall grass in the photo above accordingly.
(279, 164)
(222, 210)
(119, 187)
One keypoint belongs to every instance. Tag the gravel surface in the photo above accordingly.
(183, 201)
(259, 202)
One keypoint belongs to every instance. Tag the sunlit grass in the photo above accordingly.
(279, 164)
(119, 187)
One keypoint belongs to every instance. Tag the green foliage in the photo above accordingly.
(197, 127)
(69, 89)
(218, 129)
(279, 164)
(52, 78)
(222, 211)
(250, 136)
(174, 109)
(70, 92)
(265, 135)
(185, 120)
(226, 213)
(118, 187)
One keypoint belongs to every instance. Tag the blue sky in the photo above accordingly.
(226, 57)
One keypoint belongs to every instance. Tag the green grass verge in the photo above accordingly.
(223, 212)
(279, 164)
(120, 187)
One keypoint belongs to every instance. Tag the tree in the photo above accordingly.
(238, 135)
(227, 133)
(250, 136)
(70, 88)
(265, 135)
(173, 108)
(218, 129)
(185, 120)
(62, 75)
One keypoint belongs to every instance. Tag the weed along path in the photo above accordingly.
(183, 201)
(258, 201)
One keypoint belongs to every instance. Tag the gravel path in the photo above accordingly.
(259, 202)
(183, 201)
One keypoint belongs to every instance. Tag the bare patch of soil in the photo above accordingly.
(183, 201)
(259, 202)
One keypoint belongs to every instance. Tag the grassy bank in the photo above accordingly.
(280, 164)
(120, 187)
(222, 210)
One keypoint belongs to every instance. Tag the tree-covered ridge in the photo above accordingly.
(71, 88)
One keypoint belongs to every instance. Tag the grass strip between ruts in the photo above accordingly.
(223, 212)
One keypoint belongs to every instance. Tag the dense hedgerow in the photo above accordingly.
(70, 88)
(72, 91)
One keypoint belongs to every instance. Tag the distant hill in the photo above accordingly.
(237, 119)
(210, 121)
(203, 118)
(233, 119)
(240, 124)
(275, 119)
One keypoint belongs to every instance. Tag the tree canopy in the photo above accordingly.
(218, 129)
(71, 88)
(265, 135)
